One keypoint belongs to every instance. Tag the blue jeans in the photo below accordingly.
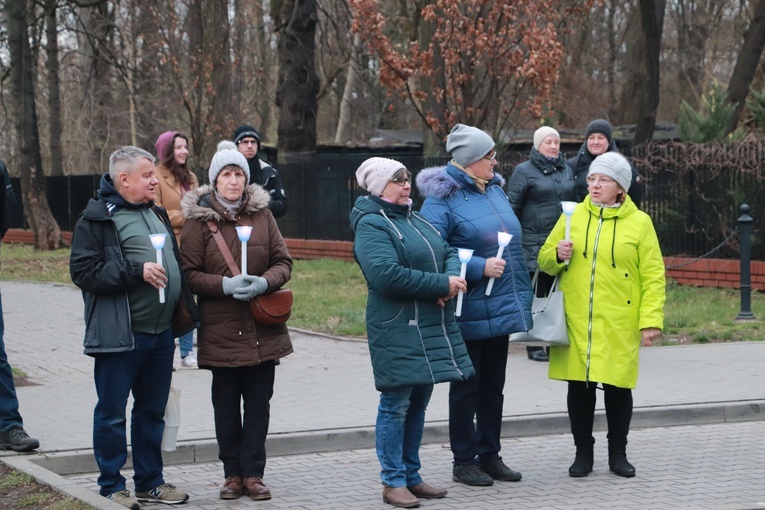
(145, 371)
(186, 343)
(9, 403)
(400, 422)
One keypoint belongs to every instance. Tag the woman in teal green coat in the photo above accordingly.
(614, 291)
(414, 342)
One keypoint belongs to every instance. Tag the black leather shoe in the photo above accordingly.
(539, 355)
(619, 465)
(471, 475)
(582, 465)
(495, 468)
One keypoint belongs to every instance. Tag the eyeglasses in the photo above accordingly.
(402, 181)
(247, 142)
(599, 180)
(492, 158)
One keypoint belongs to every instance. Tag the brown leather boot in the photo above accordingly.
(232, 488)
(400, 497)
(254, 486)
(424, 491)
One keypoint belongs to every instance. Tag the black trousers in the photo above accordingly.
(581, 412)
(481, 398)
(242, 442)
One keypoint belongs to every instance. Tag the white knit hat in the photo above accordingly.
(615, 166)
(542, 133)
(227, 154)
(468, 144)
(375, 173)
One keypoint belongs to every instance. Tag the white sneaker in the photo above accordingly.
(190, 361)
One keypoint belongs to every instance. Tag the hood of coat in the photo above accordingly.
(446, 181)
(610, 213)
(544, 165)
(375, 205)
(196, 205)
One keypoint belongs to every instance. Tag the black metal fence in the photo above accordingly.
(694, 212)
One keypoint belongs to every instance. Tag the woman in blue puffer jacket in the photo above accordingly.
(466, 203)
(414, 341)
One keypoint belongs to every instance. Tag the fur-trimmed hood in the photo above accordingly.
(196, 204)
(446, 181)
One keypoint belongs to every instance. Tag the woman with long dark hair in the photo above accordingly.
(175, 179)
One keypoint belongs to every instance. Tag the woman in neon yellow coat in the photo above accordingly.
(614, 291)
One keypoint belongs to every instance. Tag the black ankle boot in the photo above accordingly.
(618, 463)
(583, 461)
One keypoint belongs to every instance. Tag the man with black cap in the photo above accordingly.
(598, 139)
(247, 140)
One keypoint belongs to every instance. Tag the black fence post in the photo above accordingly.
(745, 227)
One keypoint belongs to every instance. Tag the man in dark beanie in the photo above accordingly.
(247, 140)
(598, 139)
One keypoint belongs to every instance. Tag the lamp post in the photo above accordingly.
(745, 227)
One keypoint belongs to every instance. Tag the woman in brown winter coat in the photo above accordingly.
(175, 179)
(240, 352)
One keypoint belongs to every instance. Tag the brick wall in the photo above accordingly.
(702, 273)
(713, 272)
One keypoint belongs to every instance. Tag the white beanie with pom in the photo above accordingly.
(227, 155)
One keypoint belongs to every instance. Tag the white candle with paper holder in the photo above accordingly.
(244, 233)
(158, 242)
(503, 239)
(568, 210)
(465, 256)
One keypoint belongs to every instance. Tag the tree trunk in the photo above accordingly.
(746, 64)
(54, 90)
(344, 118)
(298, 82)
(47, 233)
(652, 21)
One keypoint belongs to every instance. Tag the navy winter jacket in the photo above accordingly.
(469, 218)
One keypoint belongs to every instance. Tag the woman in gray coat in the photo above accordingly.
(535, 189)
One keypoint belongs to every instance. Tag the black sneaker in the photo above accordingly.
(17, 439)
(495, 468)
(471, 475)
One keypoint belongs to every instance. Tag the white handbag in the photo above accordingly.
(549, 318)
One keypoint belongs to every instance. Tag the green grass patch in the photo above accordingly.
(704, 315)
(16, 479)
(330, 297)
(21, 262)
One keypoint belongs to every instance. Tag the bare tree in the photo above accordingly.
(54, 88)
(295, 21)
(652, 21)
(47, 233)
(746, 64)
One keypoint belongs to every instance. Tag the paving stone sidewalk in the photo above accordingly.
(325, 392)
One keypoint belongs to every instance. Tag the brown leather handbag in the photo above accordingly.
(267, 309)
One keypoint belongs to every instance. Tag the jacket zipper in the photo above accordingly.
(592, 295)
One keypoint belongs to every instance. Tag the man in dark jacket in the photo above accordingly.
(598, 139)
(134, 308)
(12, 433)
(247, 140)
